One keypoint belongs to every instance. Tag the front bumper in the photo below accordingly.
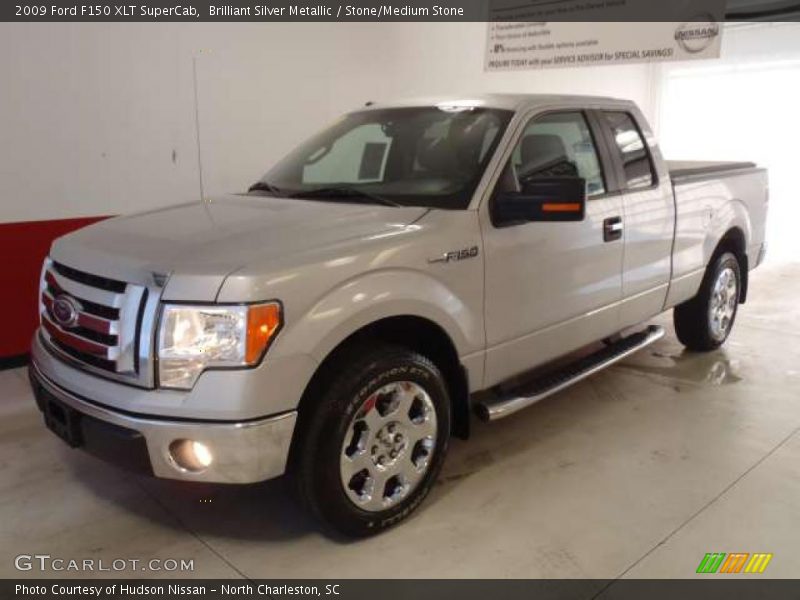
(244, 452)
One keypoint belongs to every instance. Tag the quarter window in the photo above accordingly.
(558, 145)
(633, 150)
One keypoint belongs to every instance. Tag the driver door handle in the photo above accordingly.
(612, 229)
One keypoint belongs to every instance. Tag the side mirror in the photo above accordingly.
(548, 199)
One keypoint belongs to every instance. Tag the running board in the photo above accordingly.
(565, 376)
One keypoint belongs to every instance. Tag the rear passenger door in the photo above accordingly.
(648, 214)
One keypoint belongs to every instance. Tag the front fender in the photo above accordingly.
(377, 295)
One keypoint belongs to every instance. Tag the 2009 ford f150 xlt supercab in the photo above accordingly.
(407, 266)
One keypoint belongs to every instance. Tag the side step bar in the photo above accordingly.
(557, 380)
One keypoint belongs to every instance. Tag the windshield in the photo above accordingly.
(430, 156)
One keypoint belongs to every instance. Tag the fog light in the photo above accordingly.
(191, 455)
(202, 454)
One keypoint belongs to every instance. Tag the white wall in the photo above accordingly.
(743, 107)
(263, 88)
(432, 58)
(99, 119)
(90, 117)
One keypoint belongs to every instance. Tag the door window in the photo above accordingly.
(558, 145)
(633, 150)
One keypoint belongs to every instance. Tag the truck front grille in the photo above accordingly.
(93, 320)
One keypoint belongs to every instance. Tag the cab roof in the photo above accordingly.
(514, 102)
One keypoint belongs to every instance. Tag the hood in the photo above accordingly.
(199, 244)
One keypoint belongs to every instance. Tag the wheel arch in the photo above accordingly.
(735, 242)
(417, 333)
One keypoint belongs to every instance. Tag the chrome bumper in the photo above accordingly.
(242, 452)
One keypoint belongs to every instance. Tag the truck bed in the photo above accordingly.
(713, 197)
(684, 169)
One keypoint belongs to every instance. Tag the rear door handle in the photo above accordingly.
(612, 229)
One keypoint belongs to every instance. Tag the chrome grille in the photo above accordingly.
(94, 320)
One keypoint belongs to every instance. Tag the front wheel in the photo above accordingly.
(370, 450)
(704, 322)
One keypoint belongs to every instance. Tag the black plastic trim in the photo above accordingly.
(126, 448)
(137, 338)
(96, 281)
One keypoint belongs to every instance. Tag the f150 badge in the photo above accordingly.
(455, 255)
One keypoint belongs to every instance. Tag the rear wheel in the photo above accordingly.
(704, 322)
(371, 449)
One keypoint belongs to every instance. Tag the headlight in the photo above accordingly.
(194, 338)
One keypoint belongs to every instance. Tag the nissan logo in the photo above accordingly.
(66, 310)
(696, 36)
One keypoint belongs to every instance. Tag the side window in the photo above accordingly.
(558, 145)
(633, 150)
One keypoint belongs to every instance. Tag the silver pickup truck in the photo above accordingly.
(410, 265)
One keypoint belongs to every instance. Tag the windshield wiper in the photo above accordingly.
(265, 186)
(344, 192)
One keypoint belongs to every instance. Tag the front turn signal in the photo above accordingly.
(263, 322)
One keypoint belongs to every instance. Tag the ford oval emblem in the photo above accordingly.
(66, 310)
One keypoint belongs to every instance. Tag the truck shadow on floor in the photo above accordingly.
(266, 511)
(269, 511)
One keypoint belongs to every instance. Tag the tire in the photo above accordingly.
(704, 322)
(370, 449)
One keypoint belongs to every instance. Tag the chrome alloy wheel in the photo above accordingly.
(388, 446)
(722, 308)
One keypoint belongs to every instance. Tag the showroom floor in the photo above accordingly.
(637, 472)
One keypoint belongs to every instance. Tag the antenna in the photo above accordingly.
(197, 127)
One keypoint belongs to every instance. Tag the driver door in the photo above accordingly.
(552, 287)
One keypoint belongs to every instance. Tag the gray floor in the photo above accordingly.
(637, 472)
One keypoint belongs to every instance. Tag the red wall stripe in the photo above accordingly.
(24, 247)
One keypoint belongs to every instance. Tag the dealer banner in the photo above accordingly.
(516, 41)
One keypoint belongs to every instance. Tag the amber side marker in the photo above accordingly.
(562, 207)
